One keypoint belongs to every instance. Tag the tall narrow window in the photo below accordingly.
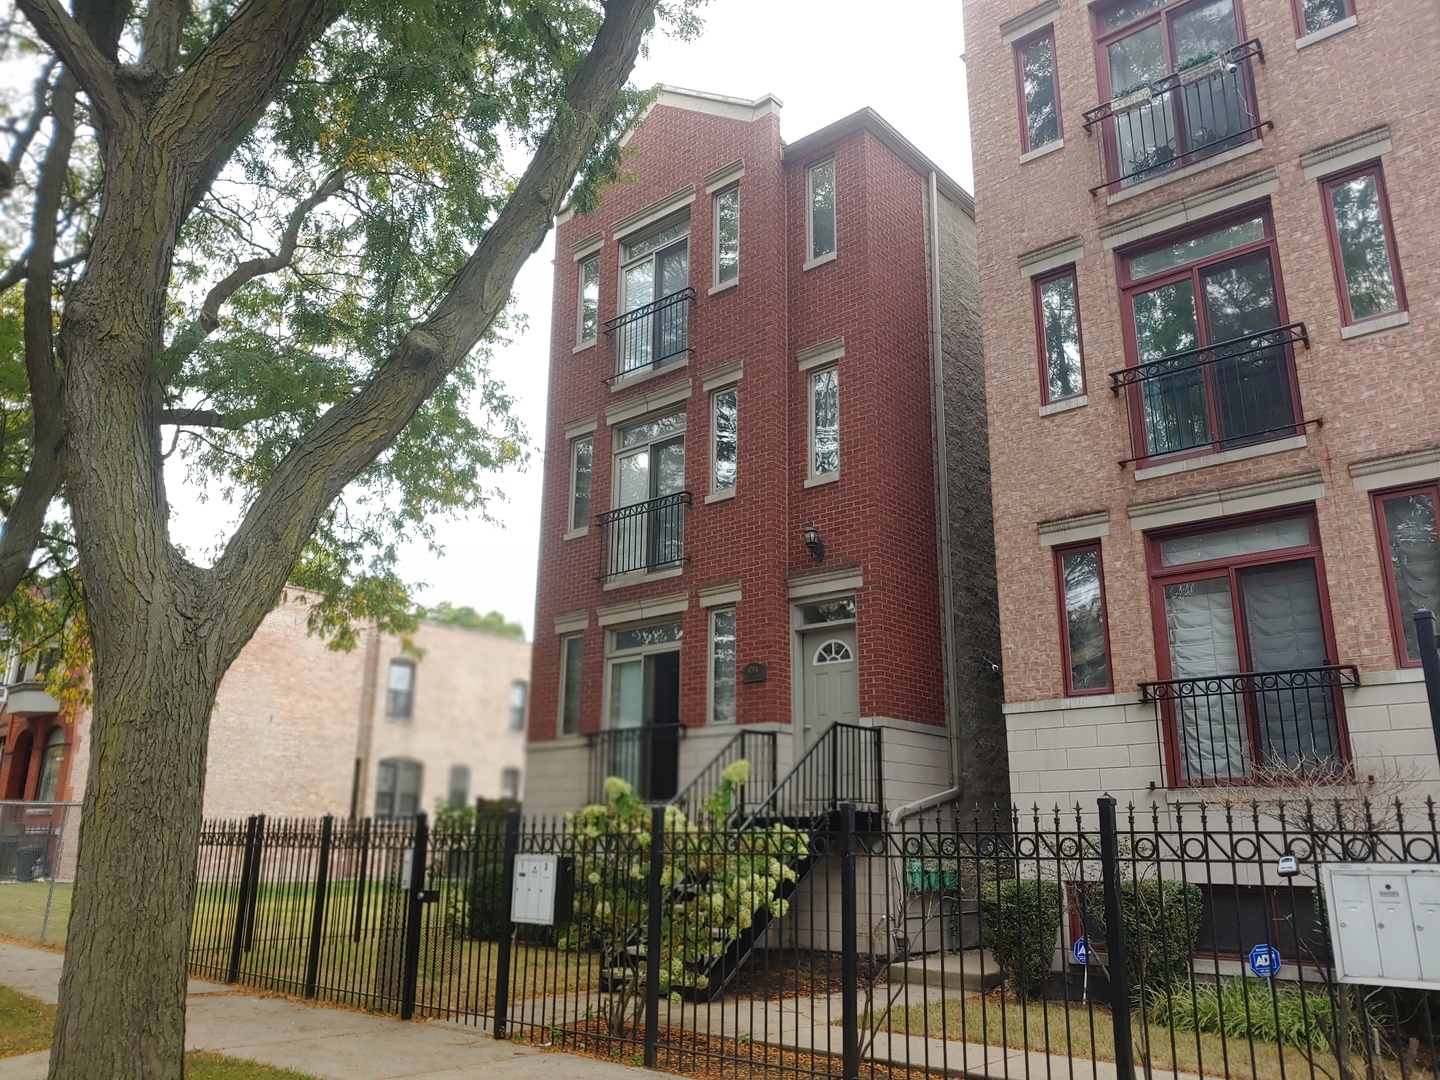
(1411, 557)
(825, 422)
(1312, 16)
(570, 657)
(727, 235)
(458, 790)
(50, 758)
(510, 784)
(589, 322)
(820, 208)
(1057, 319)
(722, 665)
(581, 452)
(1363, 244)
(1085, 638)
(519, 695)
(1038, 90)
(400, 690)
(724, 443)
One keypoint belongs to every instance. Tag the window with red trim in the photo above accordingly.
(1038, 88)
(1245, 650)
(1057, 330)
(1312, 16)
(1084, 634)
(1410, 560)
(1362, 244)
(1206, 335)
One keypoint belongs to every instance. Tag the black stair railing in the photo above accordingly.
(1202, 109)
(755, 747)
(841, 766)
(651, 335)
(1253, 726)
(643, 537)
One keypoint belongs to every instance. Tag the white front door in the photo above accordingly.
(831, 686)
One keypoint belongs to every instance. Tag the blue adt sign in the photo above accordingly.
(1265, 961)
(1081, 951)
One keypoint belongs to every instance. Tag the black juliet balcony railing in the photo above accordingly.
(1266, 726)
(1204, 108)
(644, 537)
(651, 336)
(1216, 397)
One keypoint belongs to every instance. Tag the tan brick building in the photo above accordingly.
(1209, 237)
(299, 729)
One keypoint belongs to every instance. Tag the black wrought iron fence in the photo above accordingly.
(651, 335)
(1185, 941)
(645, 536)
(1204, 108)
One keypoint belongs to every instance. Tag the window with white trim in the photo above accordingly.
(722, 665)
(824, 422)
(581, 456)
(727, 236)
(571, 654)
(588, 328)
(519, 699)
(397, 788)
(820, 209)
(724, 439)
(400, 690)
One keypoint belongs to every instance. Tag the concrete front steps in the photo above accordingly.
(970, 972)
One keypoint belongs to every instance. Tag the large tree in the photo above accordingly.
(272, 237)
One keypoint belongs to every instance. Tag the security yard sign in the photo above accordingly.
(1081, 951)
(1265, 960)
(1384, 923)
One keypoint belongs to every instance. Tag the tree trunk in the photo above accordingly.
(122, 993)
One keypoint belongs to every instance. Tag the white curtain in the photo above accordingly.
(1200, 621)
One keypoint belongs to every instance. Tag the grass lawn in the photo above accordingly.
(26, 1024)
(989, 1020)
(22, 910)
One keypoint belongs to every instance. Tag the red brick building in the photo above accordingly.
(754, 347)
(1210, 264)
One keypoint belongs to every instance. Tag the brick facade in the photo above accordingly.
(878, 520)
(292, 717)
(1373, 396)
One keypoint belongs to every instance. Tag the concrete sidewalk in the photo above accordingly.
(325, 1042)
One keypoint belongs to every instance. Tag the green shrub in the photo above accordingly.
(1243, 1008)
(474, 908)
(1161, 921)
(1021, 919)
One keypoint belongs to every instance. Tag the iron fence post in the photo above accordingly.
(653, 929)
(1115, 940)
(410, 972)
(317, 914)
(849, 948)
(507, 894)
(1430, 661)
(242, 904)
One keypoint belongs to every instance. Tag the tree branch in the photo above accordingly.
(26, 135)
(24, 521)
(205, 418)
(160, 37)
(354, 433)
(252, 268)
(77, 50)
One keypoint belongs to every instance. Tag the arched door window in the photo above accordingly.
(833, 651)
(50, 758)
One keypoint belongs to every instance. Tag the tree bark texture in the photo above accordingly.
(162, 630)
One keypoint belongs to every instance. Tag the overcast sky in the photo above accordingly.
(823, 59)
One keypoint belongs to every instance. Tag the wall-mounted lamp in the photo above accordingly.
(815, 543)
